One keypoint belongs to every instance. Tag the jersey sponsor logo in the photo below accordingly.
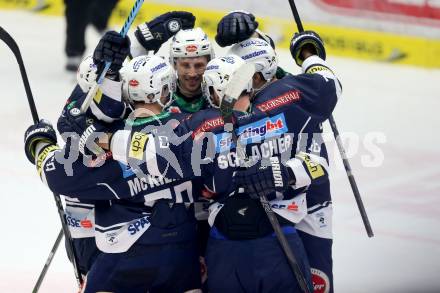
(138, 225)
(321, 282)
(279, 101)
(291, 207)
(208, 125)
(138, 141)
(264, 128)
(76, 223)
(315, 170)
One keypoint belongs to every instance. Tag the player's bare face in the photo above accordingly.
(190, 72)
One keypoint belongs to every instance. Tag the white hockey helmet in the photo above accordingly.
(260, 53)
(86, 75)
(190, 43)
(145, 78)
(218, 73)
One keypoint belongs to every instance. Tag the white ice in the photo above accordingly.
(397, 106)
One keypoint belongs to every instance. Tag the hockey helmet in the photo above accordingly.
(145, 79)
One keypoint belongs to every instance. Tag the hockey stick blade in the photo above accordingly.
(10, 42)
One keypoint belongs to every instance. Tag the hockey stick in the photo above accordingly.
(92, 92)
(48, 261)
(233, 91)
(347, 166)
(10, 42)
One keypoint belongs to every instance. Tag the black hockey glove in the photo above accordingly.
(40, 132)
(264, 178)
(84, 128)
(111, 48)
(73, 121)
(235, 27)
(306, 40)
(151, 35)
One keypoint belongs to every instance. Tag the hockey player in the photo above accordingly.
(316, 228)
(190, 51)
(80, 213)
(148, 242)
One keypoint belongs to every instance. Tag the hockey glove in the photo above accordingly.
(111, 48)
(264, 178)
(72, 121)
(85, 129)
(151, 35)
(42, 132)
(235, 27)
(308, 40)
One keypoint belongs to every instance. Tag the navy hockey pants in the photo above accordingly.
(147, 268)
(257, 265)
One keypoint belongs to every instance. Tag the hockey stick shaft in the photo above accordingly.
(10, 42)
(128, 22)
(345, 161)
(48, 262)
(232, 93)
(291, 259)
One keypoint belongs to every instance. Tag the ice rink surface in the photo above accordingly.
(388, 116)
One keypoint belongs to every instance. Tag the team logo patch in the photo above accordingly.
(321, 282)
(287, 98)
(75, 111)
(173, 26)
